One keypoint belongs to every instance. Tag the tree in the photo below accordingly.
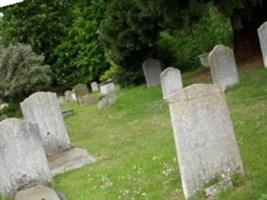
(22, 72)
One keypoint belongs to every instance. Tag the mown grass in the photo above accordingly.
(134, 147)
(135, 152)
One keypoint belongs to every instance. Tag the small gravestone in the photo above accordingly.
(68, 96)
(262, 32)
(223, 66)
(43, 109)
(94, 87)
(107, 100)
(152, 70)
(38, 192)
(204, 136)
(82, 94)
(23, 162)
(107, 87)
(204, 61)
(171, 81)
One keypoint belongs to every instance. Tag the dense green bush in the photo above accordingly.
(21, 72)
(181, 47)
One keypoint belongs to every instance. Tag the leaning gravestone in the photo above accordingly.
(204, 136)
(262, 32)
(171, 81)
(82, 94)
(43, 109)
(94, 87)
(223, 66)
(23, 162)
(152, 70)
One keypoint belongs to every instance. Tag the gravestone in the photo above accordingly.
(171, 81)
(43, 109)
(152, 70)
(262, 32)
(23, 162)
(107, 100)
(94, 87)
(68, 96)
(204, 61)
(223, 66)
(82, 94)
(204, 136)
(107, 87)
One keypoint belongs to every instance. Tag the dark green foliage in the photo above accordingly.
(81, 54)
(21, 72)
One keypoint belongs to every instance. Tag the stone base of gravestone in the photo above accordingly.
(69, 160)
(106, 101)
(37, 192)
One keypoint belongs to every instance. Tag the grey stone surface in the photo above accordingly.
(171, 81)
(94, 87)
(262, 32)
(152, 70)
(82, 94)
(204, 136)
(37, 192)
(69, 160)
(107, 100)
(204, 61)
(43, 109)
(23, 162)
(3, 117)
(223, 66)
(107, 87)
(69, 96)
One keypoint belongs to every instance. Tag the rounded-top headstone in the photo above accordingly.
(43, 109)
(223, 66)
(262, 32)
(152, 70)
(80, 90)
(23, 162)
(171, 81)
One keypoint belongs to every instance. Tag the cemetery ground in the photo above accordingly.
(135, 151)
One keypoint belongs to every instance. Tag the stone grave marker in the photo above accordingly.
(223, 66)
(152, 70)
(204, 61)
(94, 87)
(82, 94)
(171, 81)
(204, 136)
(107, 87)
(22, 157)
(68, 96)
(107, 100)
(43, 109)
(262, 32)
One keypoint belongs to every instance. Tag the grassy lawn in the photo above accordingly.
(134, 146)
(135, 151)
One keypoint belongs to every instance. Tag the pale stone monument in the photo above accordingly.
(107, 87)
(94, 87)
(82, 94)
(152, 70)
(68, 96)
(171, 81)
(262, 32)
(23, 162)
(43, 109)
(223, 66)
(204, 136)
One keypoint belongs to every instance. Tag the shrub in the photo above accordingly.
(21, 72)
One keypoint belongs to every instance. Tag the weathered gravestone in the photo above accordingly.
(204, 136)
(171, 81)
(69, 96)
(94, 87)
(82, 94)
(152, 70)
(23, 162)
(262, 32)
(43, 109)
(107, 87)
(203, 58)
(223, 66)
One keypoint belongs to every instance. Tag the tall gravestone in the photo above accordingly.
(43, 109)
(171, 81)
(23, 162)
(204, 136)
(94, 87)
(82, 94)
(223, 66)
(262, 32)
(152, 70)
